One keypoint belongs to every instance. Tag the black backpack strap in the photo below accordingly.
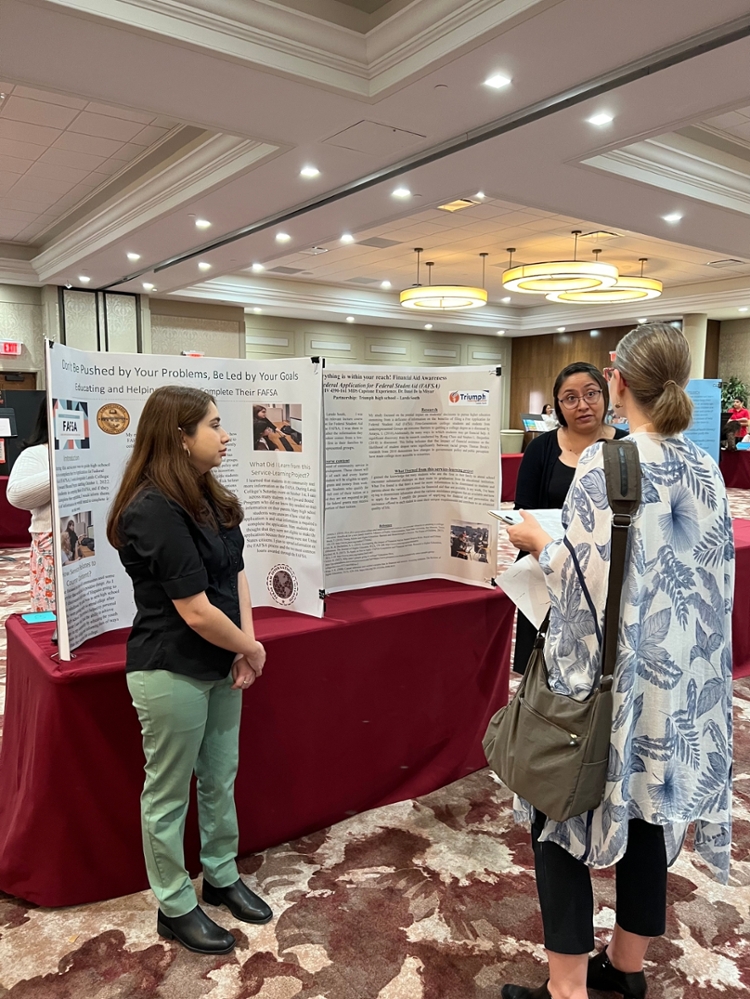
(622, 468)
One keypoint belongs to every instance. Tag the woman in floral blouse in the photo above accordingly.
(671, 751)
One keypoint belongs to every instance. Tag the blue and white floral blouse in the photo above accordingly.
(670, 757)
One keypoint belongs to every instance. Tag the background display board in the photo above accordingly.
(412, 468)
(705, 429)
(273, 465)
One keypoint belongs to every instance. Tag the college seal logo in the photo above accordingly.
(282, 585)
(113, 418)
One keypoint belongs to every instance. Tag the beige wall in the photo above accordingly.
(217, 330)
(352, 343)
(22, 318)
(734, 350)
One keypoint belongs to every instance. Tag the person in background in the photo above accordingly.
(191, 653)
(549, 462)
(739, 411)
(548, 417)
(670, 759)
(29, 489)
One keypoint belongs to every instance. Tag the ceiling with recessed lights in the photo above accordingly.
(172, 158)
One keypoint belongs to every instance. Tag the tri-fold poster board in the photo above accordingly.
(373, 475)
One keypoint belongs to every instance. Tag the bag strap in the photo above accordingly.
(622, 468)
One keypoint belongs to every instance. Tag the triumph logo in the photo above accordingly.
(476, 398)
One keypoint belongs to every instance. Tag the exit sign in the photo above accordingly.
(10, 348)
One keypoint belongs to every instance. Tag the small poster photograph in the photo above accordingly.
(470, 541)
(71, 424)
(277, 427)
(77, 539)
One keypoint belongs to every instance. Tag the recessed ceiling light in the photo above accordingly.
(202, 224)
(594, 333)
(347, 237)
(505, 300)
(402, 192)
(743, 308)
(600, 119)
(148, 286)
(385, 284)
(204, 266)
(257, 311)
(674, 217)
(560, 329)
(350, 319)
(428, 326)
(282, 237)
(501, 332)
(309, 171)
(644, 320)
(133, 257)
(83, 279)
(480, 194)
(497, 81)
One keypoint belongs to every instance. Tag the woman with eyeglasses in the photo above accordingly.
(549, 462)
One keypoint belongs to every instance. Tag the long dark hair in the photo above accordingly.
(579, 368)
(159, 460)
(40, 433)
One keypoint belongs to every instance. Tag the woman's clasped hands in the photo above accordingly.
(248, 667)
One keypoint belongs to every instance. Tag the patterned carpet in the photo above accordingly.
(432, 898)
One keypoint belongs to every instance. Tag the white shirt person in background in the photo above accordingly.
(29, 489)
(548, 417)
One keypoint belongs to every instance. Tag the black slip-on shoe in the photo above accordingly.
(603, 975)
(243, 903)
(521, 992)
(196, 931)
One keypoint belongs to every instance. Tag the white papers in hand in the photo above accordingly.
(524, 583)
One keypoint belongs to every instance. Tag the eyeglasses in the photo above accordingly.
(572, 401)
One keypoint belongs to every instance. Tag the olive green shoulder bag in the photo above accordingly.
(549, 748)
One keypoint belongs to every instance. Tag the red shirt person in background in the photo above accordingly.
(738, 411)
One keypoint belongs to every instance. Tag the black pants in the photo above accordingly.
(567, 901)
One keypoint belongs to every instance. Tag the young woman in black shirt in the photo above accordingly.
(549, 462)
(191, 652)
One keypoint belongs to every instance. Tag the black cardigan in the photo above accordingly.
(537, 466)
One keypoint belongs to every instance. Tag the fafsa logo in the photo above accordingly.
(479, 397)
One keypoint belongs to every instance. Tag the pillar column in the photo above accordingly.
(694, 328)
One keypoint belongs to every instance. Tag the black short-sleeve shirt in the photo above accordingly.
(168, 555)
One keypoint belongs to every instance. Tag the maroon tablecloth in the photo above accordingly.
(741, 611)
(14, 524)
(735, 467)
(510, 463)
(385, 699)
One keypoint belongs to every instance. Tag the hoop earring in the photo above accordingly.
(186, 448)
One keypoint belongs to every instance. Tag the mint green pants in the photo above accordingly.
(189, 726)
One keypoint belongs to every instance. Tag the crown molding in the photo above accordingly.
(14, 271)
(675, 163)
(307, 300)
(299, 44)
(204, 168)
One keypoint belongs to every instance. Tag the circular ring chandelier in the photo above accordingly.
(559, 276)
(443, 297)
(625, 289)
(552, 276)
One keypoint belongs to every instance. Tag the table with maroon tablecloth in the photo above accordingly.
(384, 699)
(509, 463)
(735, 467)
(14, 523)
